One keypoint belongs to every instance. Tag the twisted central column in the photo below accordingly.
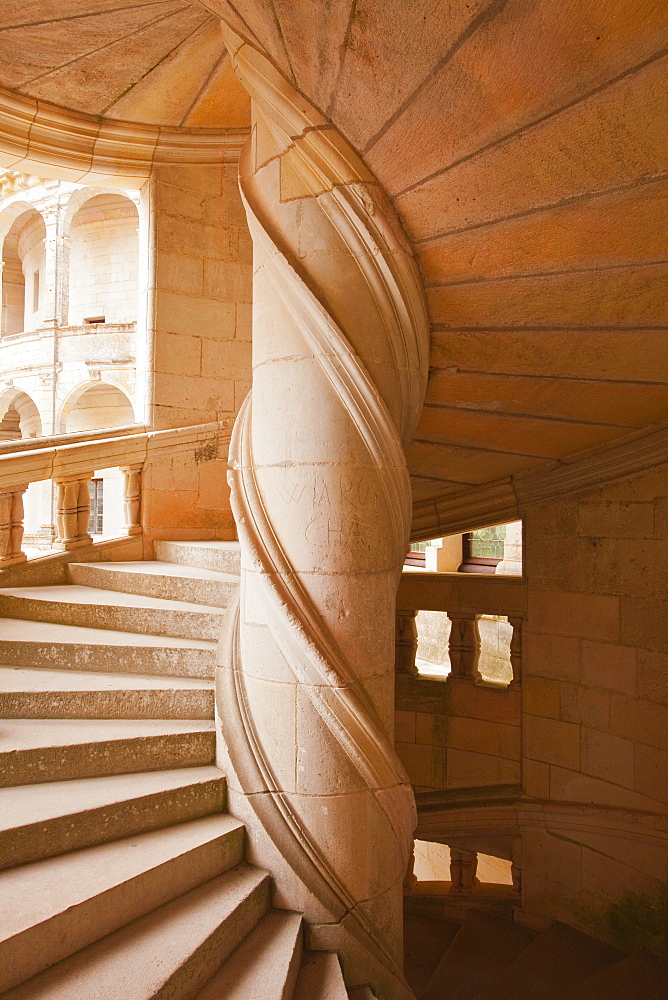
(323, 505)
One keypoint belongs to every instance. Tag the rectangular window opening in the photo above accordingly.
(96, 511)
(35, 291)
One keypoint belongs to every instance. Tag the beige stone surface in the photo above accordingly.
(182, 942)
(43, 820)
(34, 751)
(27, 693)
(62, 904)
(265, 965)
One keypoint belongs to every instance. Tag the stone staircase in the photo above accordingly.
(489, 958)
(122, 876)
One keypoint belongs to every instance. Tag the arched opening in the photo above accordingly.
(23, 258)
(92, 407)
(19, 416)
(95, 405)
(103, 261)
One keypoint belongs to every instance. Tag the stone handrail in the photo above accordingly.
(71, 465)
(465, 598)
(53, 440)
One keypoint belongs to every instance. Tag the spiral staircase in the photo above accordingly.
(124, 876)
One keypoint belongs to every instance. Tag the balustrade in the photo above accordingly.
(132, 498)
(465, 598)
(70, 462)
(463, 869)
(464, 646)
(11, 526)
(73, 512)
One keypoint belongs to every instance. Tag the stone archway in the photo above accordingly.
(94, 405)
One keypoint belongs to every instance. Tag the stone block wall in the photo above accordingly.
(596, 681)
(595, 721)
(454, 734)
(201, 295)
(196, 357)
(185, 495)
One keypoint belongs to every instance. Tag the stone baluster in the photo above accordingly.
(11, 526)
(463, 868)
(132, 498)
(516, 650)
(406, 642)
(464, 646)
(73, 512)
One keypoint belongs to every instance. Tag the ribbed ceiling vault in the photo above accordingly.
(155, 62)
(524, 144)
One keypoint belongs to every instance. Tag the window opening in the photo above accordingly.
(482, 550)
(416, 554)
(35, 291)
(95, 492)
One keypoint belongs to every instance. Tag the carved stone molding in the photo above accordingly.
(35, 135)
(504, 500)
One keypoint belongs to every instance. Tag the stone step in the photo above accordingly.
(44, 820)
(556, 959)
(31, 693)
(640, 977)
(264, 966)
(37, 750)
(467, 966)
(169, 953)
(71, 647)
(222, 557)
(90, 607)
(53, 908)
(165, 580)
(426, 939)
(320, 978)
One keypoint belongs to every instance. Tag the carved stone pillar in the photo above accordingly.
(463, 868)
(73, 512)
(11, 526)
(132, 498)
(322, 500)
(54, 305)
(464, 646)
(406, 642)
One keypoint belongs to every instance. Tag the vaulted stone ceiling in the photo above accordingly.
(156, 62)
(525, 147)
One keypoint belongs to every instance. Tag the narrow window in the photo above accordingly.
(95, 521)
(35, 291)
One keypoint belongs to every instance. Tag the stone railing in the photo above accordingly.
(71, 461)
(458, 731)
(465, 598)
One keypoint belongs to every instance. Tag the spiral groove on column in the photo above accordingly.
(349, 534)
